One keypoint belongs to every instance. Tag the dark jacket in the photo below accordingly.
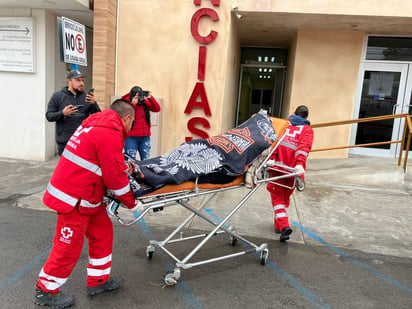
(65, 126)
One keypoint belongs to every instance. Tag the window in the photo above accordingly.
(389, 48)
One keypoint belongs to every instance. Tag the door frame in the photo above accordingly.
(405, 83)
(266, 65)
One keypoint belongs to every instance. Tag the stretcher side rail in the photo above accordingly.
(160, 201)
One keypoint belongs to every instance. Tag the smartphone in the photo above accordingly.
(90, 90)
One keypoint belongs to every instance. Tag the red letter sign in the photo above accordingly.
(194, 25)
(199, 90)
(201, 66)
(214, 2)
(191, 126)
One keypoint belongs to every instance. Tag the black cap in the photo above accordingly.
(74, 74)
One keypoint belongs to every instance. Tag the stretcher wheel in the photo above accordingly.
(233, 239)
(169, 279)
(149, 251)
(172, 278)
(264, 256)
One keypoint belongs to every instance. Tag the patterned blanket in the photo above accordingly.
(225, 155)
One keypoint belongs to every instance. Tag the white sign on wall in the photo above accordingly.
(73, 42)
(16, 44)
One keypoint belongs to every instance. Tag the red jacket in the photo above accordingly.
(295, 147)
(140, 126)
(91, 164)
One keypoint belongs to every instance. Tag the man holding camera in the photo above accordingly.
(139, 136)
(69, 107)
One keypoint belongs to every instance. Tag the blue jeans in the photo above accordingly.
(135, 144)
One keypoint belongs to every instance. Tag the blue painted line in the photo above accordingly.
(22, 271)
(184, 290)
(314, 299)
(353, 260)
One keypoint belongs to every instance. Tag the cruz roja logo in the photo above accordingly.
(66, 233)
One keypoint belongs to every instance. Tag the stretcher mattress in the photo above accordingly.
(215, 180)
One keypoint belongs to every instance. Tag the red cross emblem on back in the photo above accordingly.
(292, 131)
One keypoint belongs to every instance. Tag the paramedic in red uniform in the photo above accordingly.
(293, 152)
(91, 164)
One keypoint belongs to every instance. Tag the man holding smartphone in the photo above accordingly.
(69, 107)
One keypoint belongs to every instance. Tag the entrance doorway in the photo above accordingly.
(385, 90)
(262, 81)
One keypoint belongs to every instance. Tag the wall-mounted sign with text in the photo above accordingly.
(16, 44)
(72, 41)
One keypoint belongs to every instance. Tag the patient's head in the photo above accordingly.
(302, 111)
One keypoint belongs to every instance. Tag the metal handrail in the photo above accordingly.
(407, 130)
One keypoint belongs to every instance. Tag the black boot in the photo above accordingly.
(284, 235)
(57, 301)
(109, 285)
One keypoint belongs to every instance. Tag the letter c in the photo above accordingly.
(194, 25)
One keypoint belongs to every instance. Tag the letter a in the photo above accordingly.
(199, 90)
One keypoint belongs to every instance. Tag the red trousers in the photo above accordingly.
(71, 228)
(280, 196)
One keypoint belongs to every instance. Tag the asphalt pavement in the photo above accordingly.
(351, 246)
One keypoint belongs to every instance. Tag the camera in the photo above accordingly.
(141, 94)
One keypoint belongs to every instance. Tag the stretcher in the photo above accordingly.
(182, 194)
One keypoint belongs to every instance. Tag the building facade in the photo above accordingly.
(213, 63)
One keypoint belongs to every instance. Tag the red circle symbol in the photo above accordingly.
(80, 44)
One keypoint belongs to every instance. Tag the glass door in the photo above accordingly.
(382, 92)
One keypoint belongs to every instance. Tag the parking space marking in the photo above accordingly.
(25, 269)
(314, 299)
(183, 288)
(353, 260)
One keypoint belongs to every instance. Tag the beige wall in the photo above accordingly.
(229, 103)
(324, 77)
(156, 51)
(348, 7)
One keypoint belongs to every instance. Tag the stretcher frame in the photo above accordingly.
(156, 202)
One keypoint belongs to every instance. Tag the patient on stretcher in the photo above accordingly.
(218, 159)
